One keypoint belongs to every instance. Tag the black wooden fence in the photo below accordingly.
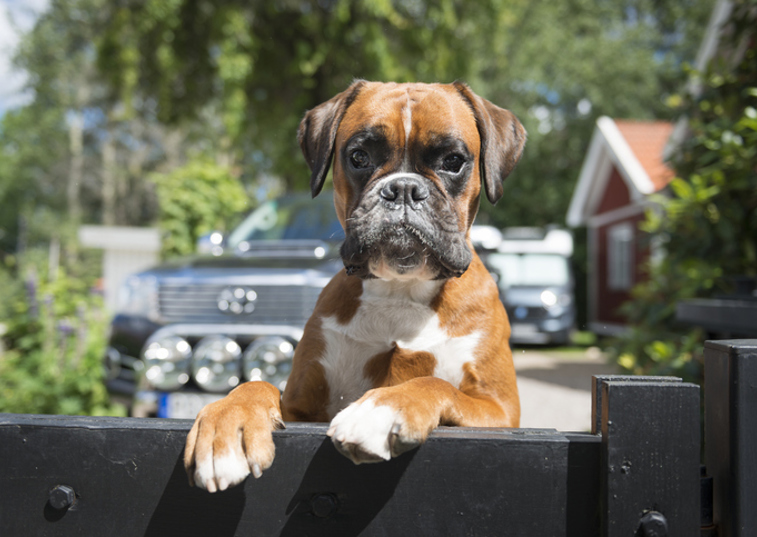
(636, 474)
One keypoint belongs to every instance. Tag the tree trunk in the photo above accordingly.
(109, 180)
(76, 169)
(76, 146)
(134, 188)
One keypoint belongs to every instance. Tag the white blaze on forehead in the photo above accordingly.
(407, 118)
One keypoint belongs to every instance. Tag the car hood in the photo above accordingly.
(276, 259)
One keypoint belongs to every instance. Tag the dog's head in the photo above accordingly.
(409, 162)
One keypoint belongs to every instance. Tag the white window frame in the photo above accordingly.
(621, 246)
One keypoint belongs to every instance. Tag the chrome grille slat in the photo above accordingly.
(289, 304)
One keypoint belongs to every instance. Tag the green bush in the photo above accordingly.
(196, 199)
(51, 358)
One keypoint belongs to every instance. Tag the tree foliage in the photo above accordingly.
(263, 63)
(138, 85)
(196, 199)
(707, 225)
(558, 65)
(567, 63)
(72, 153)
(31, 142)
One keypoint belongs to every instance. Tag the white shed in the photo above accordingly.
(127, 250)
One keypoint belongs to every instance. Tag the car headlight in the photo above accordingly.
(215, 365)
(139, 296)
(167, 362)
(548, 298)
(269, 359)
(555, 303)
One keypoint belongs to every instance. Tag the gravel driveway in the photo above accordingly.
(555, 387)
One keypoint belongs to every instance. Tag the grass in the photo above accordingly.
(580, 343)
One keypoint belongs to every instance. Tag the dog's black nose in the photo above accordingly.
(405, 190)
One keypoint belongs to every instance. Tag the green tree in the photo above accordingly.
(196, 199)
(32, 145)
(72, 155)
(707, 226)
(567, 63)
(54, 152)
(266, 62)
(558, 65)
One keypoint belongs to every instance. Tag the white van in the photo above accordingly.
(532, 269)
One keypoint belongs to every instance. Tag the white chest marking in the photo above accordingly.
(451, 353)
(389, 313)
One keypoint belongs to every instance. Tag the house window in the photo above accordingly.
(620, 258)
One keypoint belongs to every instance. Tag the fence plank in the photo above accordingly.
(128, 479)
(650, 453)
(731, 434)
(596, 393)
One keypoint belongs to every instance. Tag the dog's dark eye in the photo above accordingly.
(453, 163)
(360, 159)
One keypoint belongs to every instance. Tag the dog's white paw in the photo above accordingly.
(224, 457)
(222, 472)
(367, 432)
(232, 438)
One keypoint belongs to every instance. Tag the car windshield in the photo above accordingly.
(290, 218)
(530, 269)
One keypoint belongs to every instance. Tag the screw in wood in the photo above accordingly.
(654, 524)
(62, 497)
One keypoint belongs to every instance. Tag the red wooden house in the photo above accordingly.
(623, 166)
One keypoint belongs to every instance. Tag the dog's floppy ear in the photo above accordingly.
(502, 141)
(317, 134)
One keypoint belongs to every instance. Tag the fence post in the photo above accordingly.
(730, 384)
(596, 393)
(649, 457)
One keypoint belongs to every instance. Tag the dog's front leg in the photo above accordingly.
(388, 421)
(232, 438)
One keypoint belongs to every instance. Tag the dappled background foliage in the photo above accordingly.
(261, 64)
(124, 89)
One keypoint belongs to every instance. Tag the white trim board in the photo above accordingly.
(607, 144)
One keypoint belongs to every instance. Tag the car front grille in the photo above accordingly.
(527, 313)
(284, 304)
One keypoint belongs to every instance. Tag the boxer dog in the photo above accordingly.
(411, 334)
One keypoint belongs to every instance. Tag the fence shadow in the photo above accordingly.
(185, 510)
(350, 496)
(334, 497)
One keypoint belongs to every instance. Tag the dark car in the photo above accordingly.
(188, 331)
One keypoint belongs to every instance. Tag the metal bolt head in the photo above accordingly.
(324, 505)
(654, 524)
(62, 497)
